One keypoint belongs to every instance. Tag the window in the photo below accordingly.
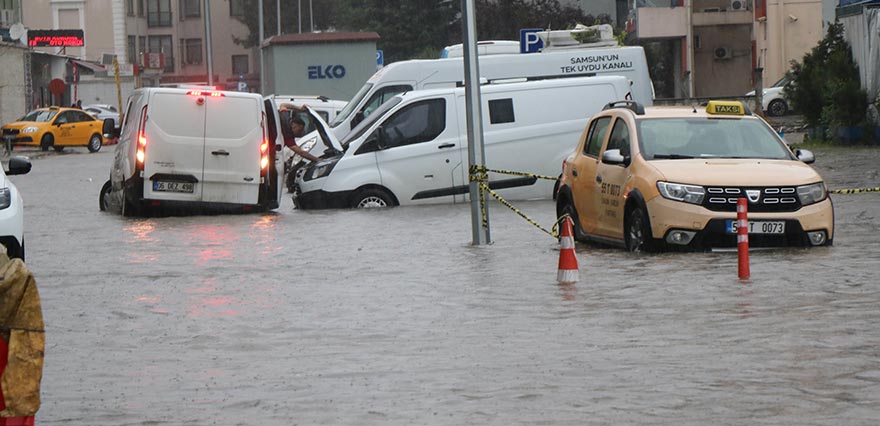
(162, 44)
(420, 122)
(140, 7)
(129, 7)
(189, 9)
(158, 13)
(501, 111)
(236, 8)
(239, 65)
(596, 136)
(379, 98)
(619, 138)
(191, 50)
(132, 50)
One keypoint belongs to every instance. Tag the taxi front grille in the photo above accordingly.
(10, 131)
(769, 199)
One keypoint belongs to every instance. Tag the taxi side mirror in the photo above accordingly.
(613, 156)
(805, 155)
(109, 128)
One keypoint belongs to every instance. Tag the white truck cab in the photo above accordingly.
(195, 149)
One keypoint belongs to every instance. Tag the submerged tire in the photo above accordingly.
(47, 141)
(637, 231)
(372, 198)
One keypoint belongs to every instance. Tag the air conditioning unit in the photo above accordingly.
(722, 53)
(737, 5)
(107, 58)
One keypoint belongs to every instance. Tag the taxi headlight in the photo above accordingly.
(320, 170)
(812, 194)
(679, 192)
(29, 129)
(5, 198)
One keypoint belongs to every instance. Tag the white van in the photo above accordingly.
(414, 150)
(195, 149)
(404, 76)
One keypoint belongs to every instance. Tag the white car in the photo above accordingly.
(102, 111)
(773, 101)
(12, 208)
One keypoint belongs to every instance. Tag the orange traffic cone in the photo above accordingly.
(568, 264)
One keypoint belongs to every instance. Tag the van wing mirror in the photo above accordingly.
(358, 117)
(381, 137)
(19, 165)
(109, 128)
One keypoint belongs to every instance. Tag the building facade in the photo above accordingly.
(720, 45)
(164, 39)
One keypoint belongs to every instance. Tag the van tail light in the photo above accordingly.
(142, 139)
(264, 147)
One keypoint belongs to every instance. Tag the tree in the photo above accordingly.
(825, 87)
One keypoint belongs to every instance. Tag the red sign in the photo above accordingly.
(57, 86)
(55, 38)
(154, 60)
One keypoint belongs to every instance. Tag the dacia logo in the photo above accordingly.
(754, 195)
(726, 109)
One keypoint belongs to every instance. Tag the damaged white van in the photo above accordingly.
(414, 148)
(193, 149)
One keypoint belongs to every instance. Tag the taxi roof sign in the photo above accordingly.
(726, 108)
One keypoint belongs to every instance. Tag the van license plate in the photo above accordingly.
(186, 187)
(759, 227)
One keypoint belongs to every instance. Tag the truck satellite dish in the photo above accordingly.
(17, 31)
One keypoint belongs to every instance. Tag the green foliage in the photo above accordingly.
(825, 87)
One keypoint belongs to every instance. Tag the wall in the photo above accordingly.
(288, 68)
(12, 90)
(791, 30)
(723, 77)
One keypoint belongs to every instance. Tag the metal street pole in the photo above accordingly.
(278, 15)
(311, 18)
(260, 46)
(299, 14)
(208, 42)
(476, 151)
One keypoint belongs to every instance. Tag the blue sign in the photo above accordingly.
(529, 42)
(380, 58)
(320, 72)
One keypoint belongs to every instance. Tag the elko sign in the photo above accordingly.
(55, 38)
(320, 72)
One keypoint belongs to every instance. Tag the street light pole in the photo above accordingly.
(260, 46)
(208, 42)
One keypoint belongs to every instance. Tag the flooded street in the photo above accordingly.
(391, 317)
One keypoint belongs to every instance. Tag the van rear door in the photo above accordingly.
(175, 145)
(233, 134)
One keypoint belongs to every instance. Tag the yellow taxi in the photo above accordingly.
(56, 128)
(669, 177)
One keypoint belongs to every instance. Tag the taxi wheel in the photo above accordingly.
(579, 234)
(95, 143)
(371, 198)
(47, 141)
(638, 232)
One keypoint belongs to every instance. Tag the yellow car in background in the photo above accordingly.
(56, 128)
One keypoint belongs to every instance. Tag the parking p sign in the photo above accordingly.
(529, 42)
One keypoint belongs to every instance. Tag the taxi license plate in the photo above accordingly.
(162, 186)
(759, 227)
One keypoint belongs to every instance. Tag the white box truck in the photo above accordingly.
(414, 148)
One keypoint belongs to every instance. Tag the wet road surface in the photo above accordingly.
(392, 318)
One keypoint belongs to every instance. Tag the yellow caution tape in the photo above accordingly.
(855, 191)
(480, 175)
(483, 169)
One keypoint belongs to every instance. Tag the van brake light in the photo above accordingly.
(142, 138)
(264, 146)
(205, 93)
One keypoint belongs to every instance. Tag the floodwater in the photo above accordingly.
(391, 317)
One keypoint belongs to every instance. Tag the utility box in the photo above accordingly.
(334, 65)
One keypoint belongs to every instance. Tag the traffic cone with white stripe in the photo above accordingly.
(568, 264)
